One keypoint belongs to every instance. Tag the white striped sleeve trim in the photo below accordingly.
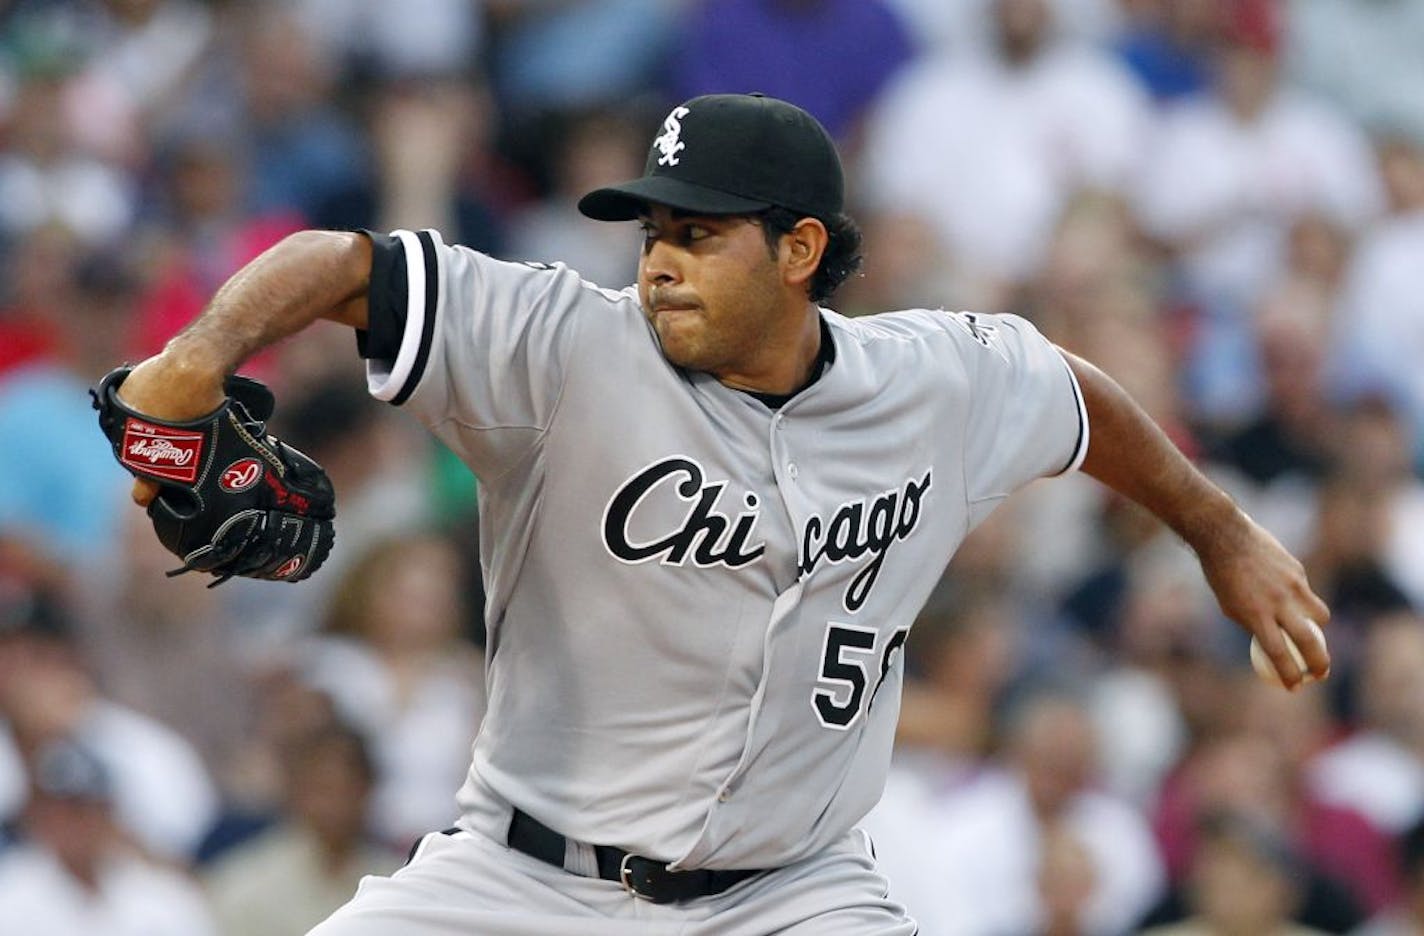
(388, 383)
(1080, 450)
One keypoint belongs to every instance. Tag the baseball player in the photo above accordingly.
(710, 509)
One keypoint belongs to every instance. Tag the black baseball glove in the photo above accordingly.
(232, 499)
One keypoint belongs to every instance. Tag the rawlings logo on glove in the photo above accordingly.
(232, 499)
(147, 447)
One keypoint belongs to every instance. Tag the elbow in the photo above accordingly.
(341, 264)
(347, 248)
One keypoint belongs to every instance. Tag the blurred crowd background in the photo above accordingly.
(1221, 202)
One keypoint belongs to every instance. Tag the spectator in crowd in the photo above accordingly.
(1168, 44)
(37, 273)
(46, 178)
(138, 53)
(394, 662)
(1376, 444)
(56, 489)
(74, 871)
(286, 712)
(293, 875)
(1379, 326)
(1346, 558)
(1289, 440)
(1244, 879)
(971, 866)
(1338, 839)
(411, 39)
(304, 150)
(1276, 460)
(594, 149)
(1095, 295)
(989, 148)
(435, 180)
(1163, 628)
(171, 649)
(265, 91)
(1406, 916)
(961, 655)
(910, 270)
(965, 26)
(960, 663)
(161, 793)
(1379, 769)
(1227, 175)
(203, 235)
(1258, 769)
(1066, 881)
(551, 54)
(431, 139)
(832, 57)
(1363, 56)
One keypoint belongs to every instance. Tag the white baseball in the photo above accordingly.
(1267, 670)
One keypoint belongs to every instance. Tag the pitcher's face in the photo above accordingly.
(710, 287)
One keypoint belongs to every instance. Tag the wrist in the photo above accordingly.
(1213, 522)
(174, 385)
(196, 360)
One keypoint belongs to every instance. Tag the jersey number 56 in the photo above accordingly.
(840, 690)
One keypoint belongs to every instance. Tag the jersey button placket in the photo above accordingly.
(779, 421)
(779, 450)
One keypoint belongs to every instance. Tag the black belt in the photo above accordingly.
(641, 877)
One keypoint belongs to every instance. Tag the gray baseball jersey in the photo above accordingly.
(696, 603)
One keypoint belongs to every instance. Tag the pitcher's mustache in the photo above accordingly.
(664, 298)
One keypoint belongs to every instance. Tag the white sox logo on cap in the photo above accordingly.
(668, 143)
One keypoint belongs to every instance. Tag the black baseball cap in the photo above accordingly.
(731, 154)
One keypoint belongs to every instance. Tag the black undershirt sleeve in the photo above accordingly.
(386, 300)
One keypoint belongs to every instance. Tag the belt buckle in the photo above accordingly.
(625, 877)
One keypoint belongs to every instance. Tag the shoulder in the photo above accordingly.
(951, 332)
(954, 346)
(422, 259)
(901, 325)
(541, 276)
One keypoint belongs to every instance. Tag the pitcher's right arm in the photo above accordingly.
(307, 276)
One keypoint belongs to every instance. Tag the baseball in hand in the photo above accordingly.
(1267, 670)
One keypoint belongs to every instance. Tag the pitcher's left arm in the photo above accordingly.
(1257, 582)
